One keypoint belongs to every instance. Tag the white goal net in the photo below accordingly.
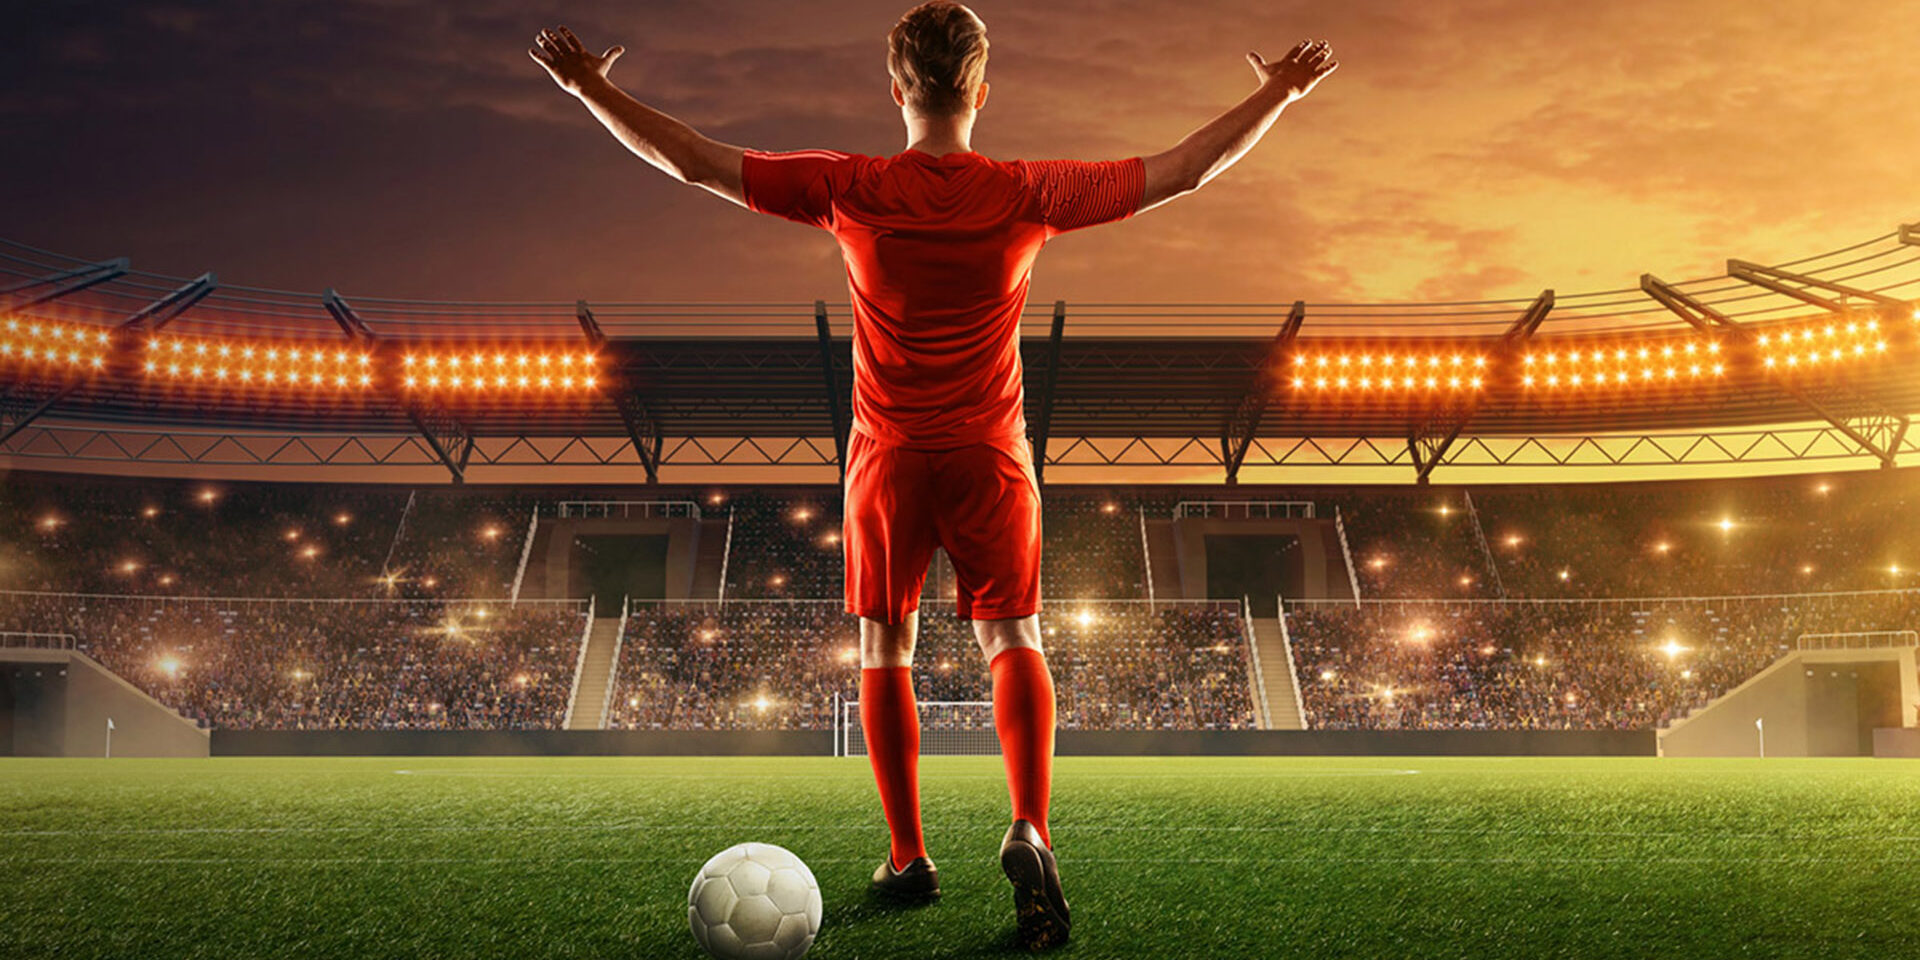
(951, 728)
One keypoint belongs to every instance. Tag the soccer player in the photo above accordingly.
(939, 244)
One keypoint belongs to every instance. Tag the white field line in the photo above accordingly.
(1067, 827)
(1057, 776)
(1065, 861)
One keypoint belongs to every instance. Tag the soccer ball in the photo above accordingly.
(754, 901)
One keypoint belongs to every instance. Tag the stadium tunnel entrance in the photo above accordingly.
(1260, 567)
(612, 567)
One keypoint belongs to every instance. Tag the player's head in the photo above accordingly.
(937, 55)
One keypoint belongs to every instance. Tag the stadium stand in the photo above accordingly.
(170, 537)
(316, 665)
(1502, 665)
(1602, 664)
(787, 545)
(460, 544)
(1785, 534)
(779, 665)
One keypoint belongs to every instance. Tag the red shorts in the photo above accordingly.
(981, 503)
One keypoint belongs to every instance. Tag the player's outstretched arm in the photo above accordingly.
(678, 150)
(1204, 153)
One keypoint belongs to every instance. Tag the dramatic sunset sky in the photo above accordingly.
(1464, 149)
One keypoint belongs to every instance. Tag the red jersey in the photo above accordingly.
(939, 251)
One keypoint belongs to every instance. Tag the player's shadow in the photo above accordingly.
(852, 911)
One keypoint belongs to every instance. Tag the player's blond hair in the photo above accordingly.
(937, 53)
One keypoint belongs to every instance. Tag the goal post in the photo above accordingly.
(948, 728)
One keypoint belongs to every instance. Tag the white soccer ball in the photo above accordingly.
(754, 901)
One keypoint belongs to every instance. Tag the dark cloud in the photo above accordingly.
(1480, 148)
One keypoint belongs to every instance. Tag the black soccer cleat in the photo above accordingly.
(1037, 899)
(917, 882)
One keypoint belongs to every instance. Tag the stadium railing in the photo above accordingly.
(163, 598)
(648, 509)
(35, 640)
(1293, 669)
(579, 666)
(1260, 705)
(1248, 509)
(1346, 554)
(1596, 601)
(1858, 640)
(526, 553)
(613, 678)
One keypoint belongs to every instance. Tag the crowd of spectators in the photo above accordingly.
(785, 544)
(1855, 531)
(1413, 543)
(172, 537)
(780, 665)
(1606, 664)
(169, 537)
(460, 543)
(316, 665)
(778, 660)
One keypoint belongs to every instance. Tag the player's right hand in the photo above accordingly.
(1299, 71)
(567, 61)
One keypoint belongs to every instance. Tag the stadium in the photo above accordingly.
(1564, 623)
(238, 528)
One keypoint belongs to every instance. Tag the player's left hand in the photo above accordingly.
(568, 62)
(1297, 73)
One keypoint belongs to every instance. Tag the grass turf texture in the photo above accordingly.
(1162, 857)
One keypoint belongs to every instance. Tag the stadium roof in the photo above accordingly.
(1202, 373)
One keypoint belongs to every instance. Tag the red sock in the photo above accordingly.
(891, 724)
(1023, 716)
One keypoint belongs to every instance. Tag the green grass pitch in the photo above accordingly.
(1162, 857)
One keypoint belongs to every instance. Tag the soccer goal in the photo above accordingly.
(949, 728)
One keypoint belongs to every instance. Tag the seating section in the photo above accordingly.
(320, 665)
(1553, 665)
(127, 565)
(779, 665)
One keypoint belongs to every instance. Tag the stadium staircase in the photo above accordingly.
(533, 583)
(709, 548)
(595, 690)
(1164, 550)
(1282, 684)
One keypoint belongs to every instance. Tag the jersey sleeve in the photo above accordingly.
(1071, 194)
(795, 185)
